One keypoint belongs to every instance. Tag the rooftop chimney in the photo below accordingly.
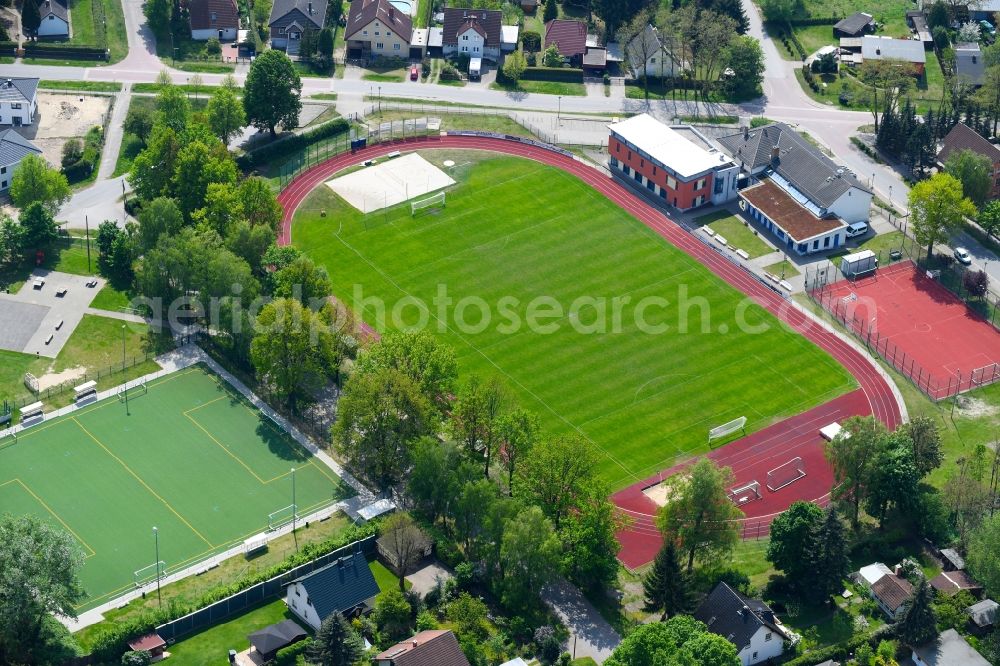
(310, 9)
(775, 154)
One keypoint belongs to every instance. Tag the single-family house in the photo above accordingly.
(963, 137)
(645, 54)
(55, 19)
(435, 647)
(570, 37)
(983, 615)
(13, 148)
(884, 48)
(749, 624)
(290, 18)
(18, 99)
(917, 20)
(344, 586)
(983, 10)
(948, 649)
(476, 33)
(952, 582)
(800, 195)
(376, 28)
(969, 64)
(855, 25)
(214, 18)
(867, 575)
(891, 593)
(671, 165)
(270, 639)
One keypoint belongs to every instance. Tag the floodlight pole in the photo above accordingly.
(86, 222)
(294, 511)
(123, 371)
(559, 110)
(156, 537)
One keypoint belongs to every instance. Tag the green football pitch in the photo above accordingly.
(194, 458)
(515, 229)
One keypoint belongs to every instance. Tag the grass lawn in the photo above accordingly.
(783, 267)
(330, 96)
(111, 298)
(543, 88)
(388, 76)
(736, 232)
(515, 230)
(926, 92)
(209, 647)
(880, 244)
(661, 89)
(453, 121)
(386, 579)
(85, 32)
(67, 254)
(192, 457)
(88, 86)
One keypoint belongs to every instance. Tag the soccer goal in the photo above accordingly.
(728, 428)
(748, 492)
(786, 474)
(134, 390)
(433, 201)
(9, 439)
(278, 519)
(149, 574)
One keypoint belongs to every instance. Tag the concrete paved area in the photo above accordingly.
(28, 317)
(428, 576)
(590, 635)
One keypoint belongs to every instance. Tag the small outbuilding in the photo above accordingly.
(952, 582)
(508, 38)
(855, 25)
(269, 640)
(151, 643)
(983, 615)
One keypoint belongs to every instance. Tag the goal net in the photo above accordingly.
(134, 389)
(149, 574)
(746, 493)
(278, 519)
(728, 428)
(433, 201)
(786, 474)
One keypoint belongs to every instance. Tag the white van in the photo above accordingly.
(857, 229)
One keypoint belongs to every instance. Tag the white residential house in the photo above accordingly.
(18, 101)
(344, 586)
(476, 33)
(647, 55)
(13, 148)
(749, 624)
(375, 28)
(55, 19)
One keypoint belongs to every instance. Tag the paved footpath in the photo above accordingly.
(590, 635)
(113, 141)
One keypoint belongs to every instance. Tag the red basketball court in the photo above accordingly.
(750, 458)
(922, 328)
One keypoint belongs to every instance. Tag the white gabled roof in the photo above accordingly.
(666, 146)
(879, 48)
(874, 572)
(508, 34)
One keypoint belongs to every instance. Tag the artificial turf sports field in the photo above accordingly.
(516, 228)
(194, 458)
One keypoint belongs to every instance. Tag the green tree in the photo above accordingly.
(700, 517)
(136, 658)
(887, 82)
(220, 208)
(196, 168)
(304, 281)
(392, 613)
(293, 350)
(781, 11)
(550, 11)
(590, 549)
(925, 441)
(172, 108)
(470, 616)
(551, 57)
(34, 181)
(745, 58)
(325, 43)
(471, 510)
(984, 544)
(557, 475)
(11, 241)
(475, 416)
(667, 586)
(39, 566)
(616, 12)
(432, 483)
(226, 116)
(39, 229)
(159, 216)
(850, 454)
(672, 642)
(271, 94)
(830, 560)
(381, 414)
(793, 542)
(531, 41)
(250, 243)
(259, 205)
(158, 13)
(31, 18)
(153, 168)
(529, 557)
(973, 171)
(517, 432)
(336, 643)
(989, 218)
(937, 206)
(918, 625)
(893, 478)
(515, 64)
(938, 16)
(421, 357)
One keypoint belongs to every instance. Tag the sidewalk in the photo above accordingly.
(590, 635)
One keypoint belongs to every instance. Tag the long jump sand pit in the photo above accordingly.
(389, 183)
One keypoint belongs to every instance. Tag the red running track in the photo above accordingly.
(750, 459)
(874, 389)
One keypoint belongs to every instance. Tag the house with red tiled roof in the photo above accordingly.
(214, 18)
(570, 37)
(963, 137)
(437, 647)
(891, 592)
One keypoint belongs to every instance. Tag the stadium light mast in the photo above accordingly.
(294, 511)
(125, 376)
(156, 538)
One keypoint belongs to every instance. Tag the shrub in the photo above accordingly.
(449, 73)
(136, 658)
(286, 146)
(213, 47)
(72, 151)
(531, 41)
(290, 655)
(531, 59)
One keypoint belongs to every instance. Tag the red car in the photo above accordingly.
(414, 74)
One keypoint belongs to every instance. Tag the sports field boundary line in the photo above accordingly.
(55, 515)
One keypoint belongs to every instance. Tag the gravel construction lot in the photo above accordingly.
(61, 117)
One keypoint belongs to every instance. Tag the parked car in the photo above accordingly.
(414, 73)
(857, 229)
(987, 28)
(962, 256)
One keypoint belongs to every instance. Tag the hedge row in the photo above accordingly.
(817, 20)
(44, 50)
(112, 643)
(564, 74)
(796, 43)
(843, 651)
(284, 147)
(289, 656)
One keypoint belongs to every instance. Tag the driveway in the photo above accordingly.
(590, 635)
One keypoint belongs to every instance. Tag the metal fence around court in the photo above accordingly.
(97, 375)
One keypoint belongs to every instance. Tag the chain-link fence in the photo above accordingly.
(91, 375)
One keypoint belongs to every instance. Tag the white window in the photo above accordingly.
(465, 38)
(395, 47)
(379, 45)
(700, 184)
(213, 16)
(377, 33)
(475, 49)
(364, 32)
(465, 49)
(671, 183)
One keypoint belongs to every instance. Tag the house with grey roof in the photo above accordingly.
(888, 48)
(983, 615)
(290, 18)
(948, 649)
(344, 586)
(55, 19)
(18, 99)
(747, 623)
(646, 54)
(13, 148)
(797, 193)
(969, 65)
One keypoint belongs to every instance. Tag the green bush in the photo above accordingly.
(289, 656)
(563, 74)
(449, 73)
(213, 47)
(284, 147)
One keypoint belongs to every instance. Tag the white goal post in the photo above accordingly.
(748, 492)
(728, 428)
(786, 474)
(433, 201)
